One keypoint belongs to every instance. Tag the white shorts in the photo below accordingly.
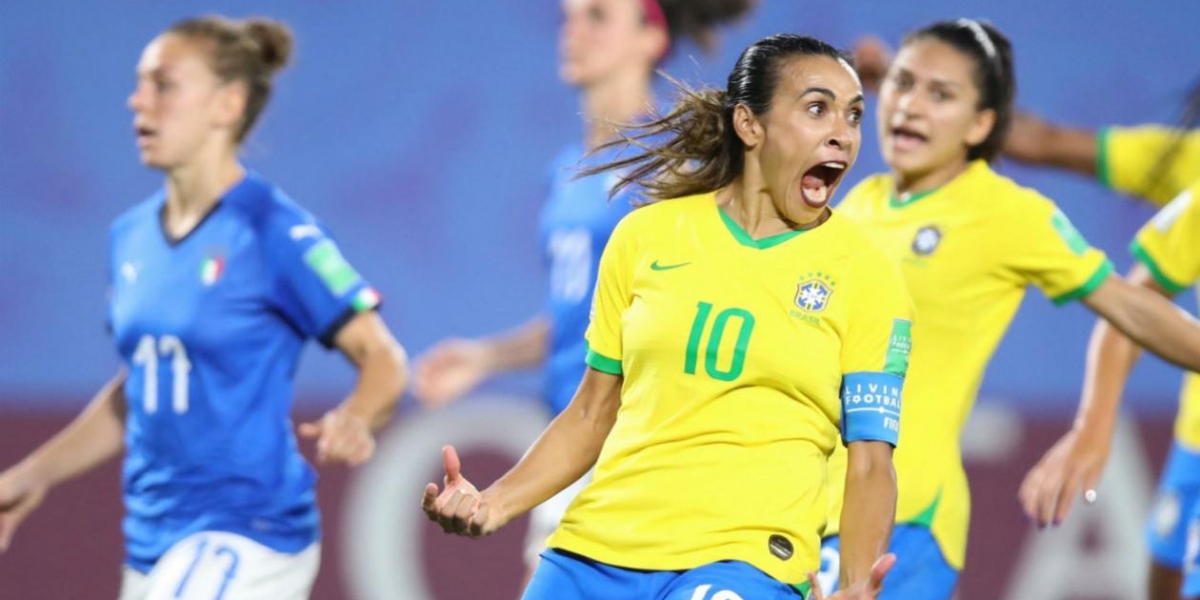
(544, 519)
(215, 565)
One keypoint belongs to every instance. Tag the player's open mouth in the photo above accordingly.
(818, 183)
(907, 139)
(144, 134)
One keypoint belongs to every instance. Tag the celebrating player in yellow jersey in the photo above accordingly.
(968, 241)
(738, 326)
(1155, 163)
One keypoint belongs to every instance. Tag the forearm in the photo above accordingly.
(563, 453)
(1111, 357)
(868, 512)
(521, 348)
(382, 377)
(1032, 140)
(1149, 320)
(94, 437)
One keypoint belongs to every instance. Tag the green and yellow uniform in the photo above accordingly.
(1169, 246)
(968, 250)
(1148, 161)
(741, 360)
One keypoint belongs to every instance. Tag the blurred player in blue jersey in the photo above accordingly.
(217, 280)
(610, 49)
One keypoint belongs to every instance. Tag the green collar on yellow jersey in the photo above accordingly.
(744, 238)
(895, 202)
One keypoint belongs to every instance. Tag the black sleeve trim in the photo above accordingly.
(328, 337)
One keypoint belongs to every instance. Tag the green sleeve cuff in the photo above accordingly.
(1144, 257)
(805, 589)
(603, 363)
(1089, 286)
(1102, 173)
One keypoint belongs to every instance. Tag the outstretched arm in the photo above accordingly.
(1076, 462)
(563, 453)
(94, 437)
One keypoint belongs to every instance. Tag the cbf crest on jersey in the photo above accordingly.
(813, 294)
(927, 240)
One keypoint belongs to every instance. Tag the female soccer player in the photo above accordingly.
(609, 52)
(969, 242)
(1151, 162)
(217, 281)
(1168, 261)
(727, 323)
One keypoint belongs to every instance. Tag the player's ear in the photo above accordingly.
(747, 126)
(230, 104)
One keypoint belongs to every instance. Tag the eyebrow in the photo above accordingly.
(933, 80)
(829, 94)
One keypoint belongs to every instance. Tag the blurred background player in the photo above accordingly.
(1167, 250)
(609, 51)
(969, 241)
(216, 282)
(710, 440)
(1153, 163)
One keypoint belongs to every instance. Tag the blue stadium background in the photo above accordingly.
(420, 131)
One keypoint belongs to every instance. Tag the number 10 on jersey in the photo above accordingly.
(716, 337)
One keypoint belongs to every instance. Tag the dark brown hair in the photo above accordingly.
(250, 51)
(698, 19)
(694, 149)
(993, 73)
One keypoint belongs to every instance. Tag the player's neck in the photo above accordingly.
(912, 183)
(624, 98)
(193, 189)
(748, 203)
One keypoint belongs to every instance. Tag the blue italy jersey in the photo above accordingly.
(211, 327)
(576, 222)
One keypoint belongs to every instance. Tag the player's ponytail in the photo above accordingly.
(694, 149)
(250, 51)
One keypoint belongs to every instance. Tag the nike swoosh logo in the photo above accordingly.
(657, 267)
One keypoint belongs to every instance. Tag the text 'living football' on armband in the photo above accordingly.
(871, 407)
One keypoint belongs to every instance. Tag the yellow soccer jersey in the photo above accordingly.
(1151, 162)
(1169, 246)
(968, 250)
(734, 354)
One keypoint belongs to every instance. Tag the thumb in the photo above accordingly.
(310, 430)
(451, 463)
(814, 586)
(8, 526)
(880, 570)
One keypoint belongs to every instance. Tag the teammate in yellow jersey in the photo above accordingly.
(1154, 163)
(736, 329)
(1167, 250)
(968, 241)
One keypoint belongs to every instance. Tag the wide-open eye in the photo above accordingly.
(816, 109)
